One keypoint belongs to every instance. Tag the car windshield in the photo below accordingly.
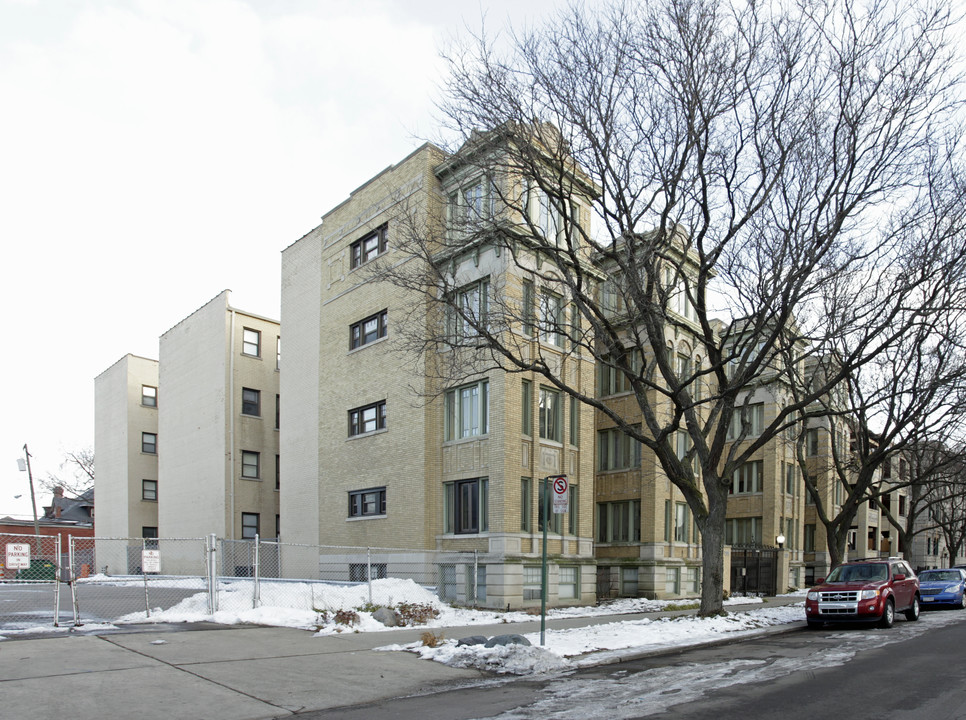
(940, 576)
(859, 573)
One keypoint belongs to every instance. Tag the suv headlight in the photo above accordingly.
(812, 595)
(868, 594)
(952, 589)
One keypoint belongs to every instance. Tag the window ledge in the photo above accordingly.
(250, 479)
(366, 517)
(462, 441)
(368, 434)
(353, 351)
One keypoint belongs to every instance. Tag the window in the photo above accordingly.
(467, 411)
(552, 321)
(363, 503)
(611, 380)
(619, 522)
(250, 464)
(149, 396)
(149, 443)
(526, 401)
(753, 415)
(556, 519)
(278, 472)
(811, 442)
(250, 525)
(150, 535)
(369, 247)
(278, 527)
(251, 342)
(791, 477)
(573, 510)
(368, 330)
(278, 352)
(526, 503)
(743, 531)
(567, 585)
(629, 580)
(902, 505)
(574, 421)
(278, 411)
(692, 580)
(251, 402)
(529, 300)
(681, 522)
(672, 581)
(467, 313)
(617, 451)
(367, 419)
(747, 479)
(551, 415)
(149, 490)
(532, 582)
(466, 506)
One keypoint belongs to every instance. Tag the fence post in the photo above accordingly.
(476, 576)
(211, 566)
(57, 580)
(71, 560)
(369, 572)
(256, 597)
(147, 600)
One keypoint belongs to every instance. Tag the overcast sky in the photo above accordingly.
(156, 152)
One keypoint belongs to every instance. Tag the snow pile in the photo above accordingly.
(564, 648)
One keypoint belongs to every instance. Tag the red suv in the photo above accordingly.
(864, 591)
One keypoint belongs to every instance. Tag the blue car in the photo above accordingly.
(943, 587)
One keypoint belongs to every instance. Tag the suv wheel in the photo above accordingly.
(912, 614)
(962, 601)
(888, 614)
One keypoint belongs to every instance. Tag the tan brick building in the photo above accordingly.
(386, 454)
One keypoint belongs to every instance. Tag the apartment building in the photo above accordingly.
(187, 445)
(385, 451)
(126, 447)
(218, 424)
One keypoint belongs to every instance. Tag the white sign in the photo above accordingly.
(150, 561)
(560, 494)
(18, 555)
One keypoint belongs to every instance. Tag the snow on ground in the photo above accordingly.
(329, 609)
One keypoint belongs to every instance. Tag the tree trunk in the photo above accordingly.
(712, 563)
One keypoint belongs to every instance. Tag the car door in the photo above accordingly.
(904, 589)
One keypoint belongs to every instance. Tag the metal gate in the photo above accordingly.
(754, 570)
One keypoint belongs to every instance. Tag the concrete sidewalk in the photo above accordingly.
(234, 673)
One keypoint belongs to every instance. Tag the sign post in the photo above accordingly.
(557, 485)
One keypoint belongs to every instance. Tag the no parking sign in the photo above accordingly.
(560, 495)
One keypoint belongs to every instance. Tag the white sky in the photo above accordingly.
(156, 152)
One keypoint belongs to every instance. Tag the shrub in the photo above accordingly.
(431, 639)
(416, 613)
(346, 617)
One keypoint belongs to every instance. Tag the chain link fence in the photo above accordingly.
(127, 580)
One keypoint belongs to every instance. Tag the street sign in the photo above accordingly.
(150, 561)
(560, 494)
(18, 555)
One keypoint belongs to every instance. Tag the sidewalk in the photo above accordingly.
(239, 673)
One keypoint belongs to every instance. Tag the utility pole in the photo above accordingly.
(33, 497)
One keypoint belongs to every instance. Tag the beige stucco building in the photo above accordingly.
(126, 447)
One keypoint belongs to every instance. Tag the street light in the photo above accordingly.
(33, 498)
(781, 541)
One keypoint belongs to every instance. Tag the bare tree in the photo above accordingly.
(77, 472)
(767, 184)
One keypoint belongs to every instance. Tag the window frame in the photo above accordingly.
(748, 479)
(617, 451)
(550, 414)
(459, 519)
(455, 414)
(152, 445)
(358, 421)
(246, 526)
(246, 463)
(361, 253)
(145, 490)
(149, 399)
(358, 336)
(358, 502)
(248, 342)
(252, 404)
